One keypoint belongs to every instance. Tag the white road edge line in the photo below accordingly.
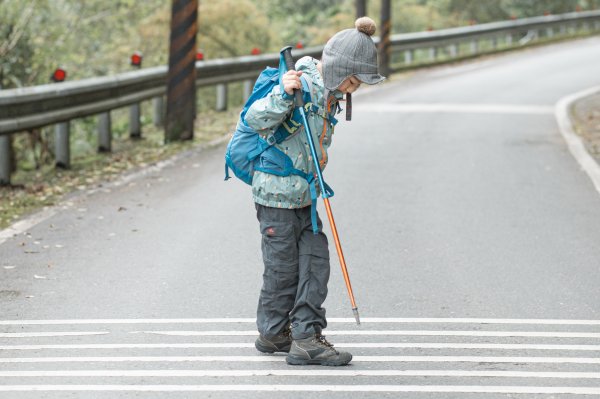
(574, 142)
(300, 373)
(420, 345)
(426, 359)
(310, 388)
(26, 224)
(449, 320)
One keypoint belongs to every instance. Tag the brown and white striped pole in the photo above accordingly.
(181, 78)
(361, 8)
(384, 40)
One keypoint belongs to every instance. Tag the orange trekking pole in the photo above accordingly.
(299, 100)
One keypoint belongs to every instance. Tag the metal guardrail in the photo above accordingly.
(34, 107)
(37, 106)
(451, 35)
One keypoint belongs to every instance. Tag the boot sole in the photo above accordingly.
(295, 361)
(268, 349)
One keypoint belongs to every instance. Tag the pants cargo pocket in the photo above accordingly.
(280, 255)
(316, 269)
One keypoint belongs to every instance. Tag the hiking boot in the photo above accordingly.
(316, 350)
(279, 343)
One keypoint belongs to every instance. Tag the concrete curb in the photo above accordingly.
(574, 142)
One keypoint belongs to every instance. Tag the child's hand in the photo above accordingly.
(291, 81)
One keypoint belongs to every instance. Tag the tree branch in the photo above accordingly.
(17, 31)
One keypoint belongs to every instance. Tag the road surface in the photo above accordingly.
(471, 237)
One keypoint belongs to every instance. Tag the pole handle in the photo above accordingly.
(289, 63)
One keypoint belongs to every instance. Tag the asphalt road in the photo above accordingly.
(457, 202)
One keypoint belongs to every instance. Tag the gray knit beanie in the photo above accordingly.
(351, 52)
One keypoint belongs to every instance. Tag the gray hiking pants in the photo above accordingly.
(295, 275)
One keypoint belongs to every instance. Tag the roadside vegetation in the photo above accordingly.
(96, 38)
(586, 115)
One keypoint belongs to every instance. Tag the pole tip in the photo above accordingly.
(355, 311)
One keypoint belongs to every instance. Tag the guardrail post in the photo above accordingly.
(62, 147)
(508, 39)
(104, 133)
(549, 32)
(408, 57)
(432, 54)
(222, 97)
(247, 89)
(494, 42)
(135, 127)
(596, 25)
(453, 50)
(158, 105)
(474, 46)
(5, 171)
(5, 151)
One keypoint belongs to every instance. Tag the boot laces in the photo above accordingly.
(321, 339)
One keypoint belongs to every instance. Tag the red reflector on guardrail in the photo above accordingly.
(136, 59)
(59, 75)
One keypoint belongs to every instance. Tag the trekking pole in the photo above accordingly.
(289, 61)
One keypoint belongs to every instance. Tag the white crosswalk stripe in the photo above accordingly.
(433, 355)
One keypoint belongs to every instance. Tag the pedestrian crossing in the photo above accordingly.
(434, 356)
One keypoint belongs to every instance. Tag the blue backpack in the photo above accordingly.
(247, 151)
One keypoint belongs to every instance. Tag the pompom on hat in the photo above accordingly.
(351, 52)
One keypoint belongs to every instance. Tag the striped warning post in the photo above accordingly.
(181, 79)
(384, 43)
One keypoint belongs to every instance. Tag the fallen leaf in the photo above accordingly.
(39, 277)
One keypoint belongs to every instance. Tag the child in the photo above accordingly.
(290, 317)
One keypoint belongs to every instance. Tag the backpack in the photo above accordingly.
(248, 152)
